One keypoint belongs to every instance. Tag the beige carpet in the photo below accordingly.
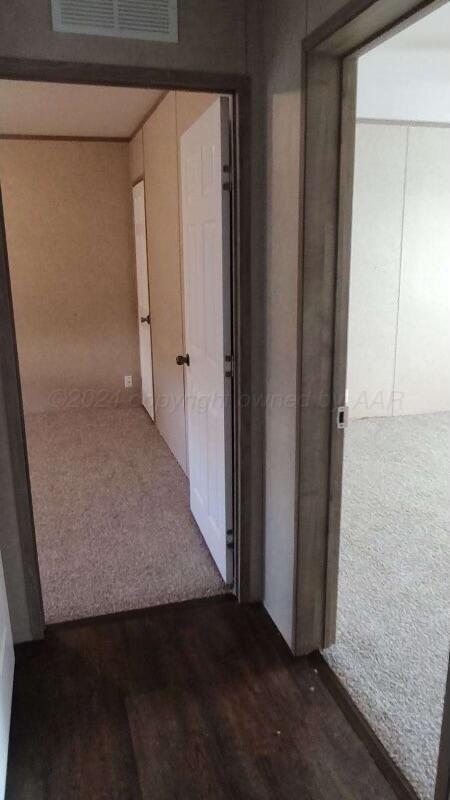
(394, 600)
(113, 526)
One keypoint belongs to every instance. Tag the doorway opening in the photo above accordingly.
(120, 233)
(411, 499)
(393, 615)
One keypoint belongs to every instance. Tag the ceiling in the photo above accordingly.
(29, 108)
(407, 77)
(432, 32)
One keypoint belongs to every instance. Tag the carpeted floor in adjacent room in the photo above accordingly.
(394, 598)
(113, 526)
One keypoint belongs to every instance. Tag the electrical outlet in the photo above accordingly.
(128, 380)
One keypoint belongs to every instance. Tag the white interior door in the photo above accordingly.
(145, 333)
(205, 171)
(6, 679)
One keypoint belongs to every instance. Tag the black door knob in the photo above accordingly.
(183, 360)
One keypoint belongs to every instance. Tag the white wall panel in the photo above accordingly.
(423, 344)
(399, 314)
(380, 158)
(406, 76)
(409, 83)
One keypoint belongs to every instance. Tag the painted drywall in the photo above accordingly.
(136, 156)
(190, 106)
(163, 246)
(422, 375)
(211, 38)
(378, 202)
(154, 153)
(399, 312)
(68, 222)
(406, 77)
(405, 84)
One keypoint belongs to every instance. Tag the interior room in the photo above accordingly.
(393, 612)
(92, 194)
(185, 427)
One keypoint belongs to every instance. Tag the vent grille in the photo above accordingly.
(139, 15)
(134, 19)
(86, 13)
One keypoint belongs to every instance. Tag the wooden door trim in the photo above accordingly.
(12, 397)
(328, 97)
(248, 547)
(342, 287)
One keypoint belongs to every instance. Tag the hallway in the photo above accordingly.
(113, 526)
(200, 700)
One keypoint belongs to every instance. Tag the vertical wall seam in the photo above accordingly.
(402, 237)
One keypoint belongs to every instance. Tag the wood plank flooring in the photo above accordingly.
(197, 700)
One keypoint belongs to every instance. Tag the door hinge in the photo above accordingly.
(341, 417)
(229, 370)
(230, 538)
(227, 184)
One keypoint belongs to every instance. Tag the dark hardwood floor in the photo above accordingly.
(199, 700)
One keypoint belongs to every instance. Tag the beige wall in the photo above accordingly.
(68, 228)
(161, 136)
(163, 244)
(136, 156)
(190, 106)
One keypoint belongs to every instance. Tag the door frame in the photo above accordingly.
(133, 186)
(327, 155)
(329, 70)
(248, 540)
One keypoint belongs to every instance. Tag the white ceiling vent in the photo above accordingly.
(130, 19)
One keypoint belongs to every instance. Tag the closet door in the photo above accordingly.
(423, 342)
(206, 211)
